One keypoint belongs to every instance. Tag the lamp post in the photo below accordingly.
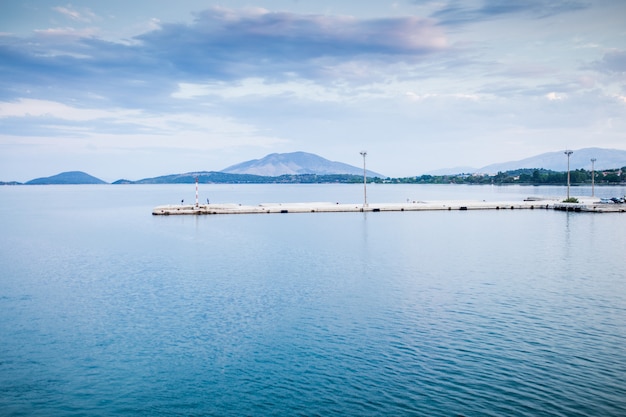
(568, 153)
(593, 177)
(364, 154)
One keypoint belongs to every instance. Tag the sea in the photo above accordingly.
(107, 310)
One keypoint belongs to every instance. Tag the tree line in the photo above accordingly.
(520, 176)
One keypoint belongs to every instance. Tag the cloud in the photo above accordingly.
(65, 33)
(219, 45)
(70, 12)
(613, 62)
(61, 68)
(460, 12)
(124, 128)
(255, 88)
(45, 108)
(553, 96)
(224, 43)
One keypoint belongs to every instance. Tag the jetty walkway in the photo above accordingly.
(586, 204)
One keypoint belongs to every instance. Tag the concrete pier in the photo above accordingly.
(594, 207)
(586, 204)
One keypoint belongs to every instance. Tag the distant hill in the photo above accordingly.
(203, 177)
(453, 171)
(557, 161)
(295, 163)
(212, 177)
(71, 177)
(554, 161)
(302, 167)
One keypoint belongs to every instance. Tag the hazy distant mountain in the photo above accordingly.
(71, 177)
(203, 177)
(452, 171)
(302, 164)
(557, 161)
(213, 177)
(554, 161)
(295, 163)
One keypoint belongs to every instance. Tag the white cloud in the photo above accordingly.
(257, 87)
(337, 92)
(66, 33)
(552, 96)
(133, 128)
(412, 96)
(26, 107)
(70, 12)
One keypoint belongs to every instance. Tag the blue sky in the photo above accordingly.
(135, 89)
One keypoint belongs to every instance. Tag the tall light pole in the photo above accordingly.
(593, 177)
(364, 154)
(568, 153)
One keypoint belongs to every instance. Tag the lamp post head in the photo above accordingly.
(363, 153)
(568, 153)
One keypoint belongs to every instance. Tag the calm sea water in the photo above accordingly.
(108, 310)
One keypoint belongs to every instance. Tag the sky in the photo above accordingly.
(142, 88)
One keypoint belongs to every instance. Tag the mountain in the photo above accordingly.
(71, 177)
(554, 161)
(203, 177)
(557, 161)
(295, 163)
(213, 177)
(452, 171)
(302, 167)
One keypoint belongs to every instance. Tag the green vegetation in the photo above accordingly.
(521, 176)
(571, 200)
(224, 178)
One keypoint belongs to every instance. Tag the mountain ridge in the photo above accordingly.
(303, 165)
(295, 163)
(555, 161)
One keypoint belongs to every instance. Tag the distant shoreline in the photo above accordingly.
(602, 184)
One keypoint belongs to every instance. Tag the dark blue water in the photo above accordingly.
(108, 310)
